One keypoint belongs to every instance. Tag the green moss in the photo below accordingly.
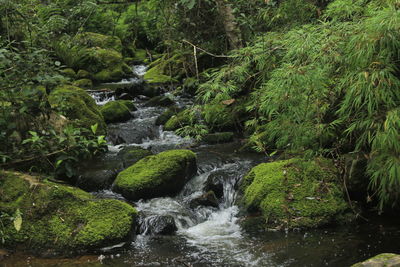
(177, 121)
(294, 193)
(91, 39)
(166, 115)
(61, 218)
(115, 111)
(131, 155)
(129, 104)
(155, 75)
(83, 83)
(140, 55)
(384, 259)
(83, 74)
(77, 105)
(216, 138)
(70, 73)
(156, 176)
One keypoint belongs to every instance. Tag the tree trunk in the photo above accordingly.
(232, 30)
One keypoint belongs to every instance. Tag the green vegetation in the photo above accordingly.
(156, 176)
(60, 218)
(295, 193)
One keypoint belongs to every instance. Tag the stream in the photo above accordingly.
(214, 236)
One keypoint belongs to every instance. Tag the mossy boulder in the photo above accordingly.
(91, 39)
(177, 121)
(59, 218)
(218, 138)
(129, 104)
(166, 115)
(68, 72)
(155, 76)
(161, 101)
(116, 111)
(156, 176)
(77, 105)
(381, 260)
(131, 155)
(295, 193)
(83, 83)
(83, 74)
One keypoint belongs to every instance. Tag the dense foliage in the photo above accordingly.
(313, 77)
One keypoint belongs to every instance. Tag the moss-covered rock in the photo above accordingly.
(83, 74)
(162, 101)
(381, 260)
(156, 176)
(91, 39)
(166, 115)
(131, 155)
(129, 104)
(83, 83)
(68, 72)
(77, 105)
(295, 193)
(60, 218)
(155, 76)
(115, 111)
(177, 121)
(218, 138)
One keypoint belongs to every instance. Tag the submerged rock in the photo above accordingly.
(116, 111)
(158, 225)
(381, 260)
(58, 218)
(207, 199)
(156, 176)
(295, 193)
(78, 106)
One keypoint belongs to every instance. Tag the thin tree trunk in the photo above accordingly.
(232, 30)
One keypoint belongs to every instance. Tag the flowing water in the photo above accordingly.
(214, 236)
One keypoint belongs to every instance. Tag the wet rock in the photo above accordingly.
(116, 111)
(131, 132)
(207, 199)
(158, 225)
(381, 260)
(96, 179)
(215, 183)
(60, 218)
(160, 101)
(218, 138)
(125, 96)
(131, 155)
(4, 254)
(155, 176)
(177, 121)
(295, 193)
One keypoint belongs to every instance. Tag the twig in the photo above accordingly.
(208, 53)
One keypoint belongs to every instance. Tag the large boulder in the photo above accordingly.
(52, 217)
(116, 111)
(381, 260)
(156, 176)
(295, 193)
(77, 105)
